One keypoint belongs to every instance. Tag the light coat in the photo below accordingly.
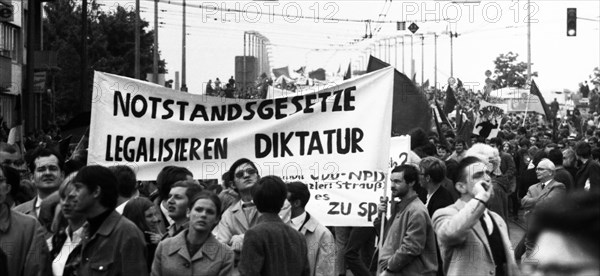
(463, 243)
(234, 221)
(536, 195)
(173, 258)
(321, 248)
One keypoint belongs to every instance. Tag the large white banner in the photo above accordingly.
(337, 140)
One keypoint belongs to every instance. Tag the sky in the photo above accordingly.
(331, 35)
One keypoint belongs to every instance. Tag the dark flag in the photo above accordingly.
(535, 91)
(425, 86)
(281, 71)
(301, 70)
(450, 101)
(318, 74)
(410, 107)
(348, 74)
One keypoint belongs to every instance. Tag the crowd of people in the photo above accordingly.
(450, 208)
(233, 89)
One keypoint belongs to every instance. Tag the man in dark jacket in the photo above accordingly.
(272, 248)
(112, 245)
(588, 175)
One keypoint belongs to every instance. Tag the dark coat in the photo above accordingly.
(117, 248)
(272, 248)
(440, 199)
(590, 170)
(22, 241)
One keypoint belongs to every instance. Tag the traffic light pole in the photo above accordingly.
(528, 42)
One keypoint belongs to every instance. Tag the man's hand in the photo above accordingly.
(236, 242)
(483, 191)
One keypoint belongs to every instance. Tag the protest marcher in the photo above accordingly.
(177, 204)
(46, 166)
(409, 247)
(165, 179)
(499, 202)
(560, 173)
(127, 185)
(228, 195)
(320, 241)
(18, 193)
(196, 247)
(460, 147)
(547, 189)
(10, 156)
(242, 215)
(111, 244)
(432, 174)
(566, 236)
(142, 212)
(588, 175)
(21, 239)
(67, 235)
(272, 248)
(570, 163)
(507, 178)
(468, 222)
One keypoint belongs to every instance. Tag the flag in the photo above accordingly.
(450, 101)
(441, 136)
(348, 74)
(535, 91)
(410, 106)
(281, 71)
(443, 117)
(301, 70)
(425, 85)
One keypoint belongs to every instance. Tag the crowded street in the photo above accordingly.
(308, 138)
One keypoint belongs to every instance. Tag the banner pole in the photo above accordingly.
(526, 108)
(382, 226)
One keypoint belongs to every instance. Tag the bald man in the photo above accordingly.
(546, 189)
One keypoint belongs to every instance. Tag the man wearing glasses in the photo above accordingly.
(544, 191)
(242, 215)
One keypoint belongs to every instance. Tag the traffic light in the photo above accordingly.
(571, 22)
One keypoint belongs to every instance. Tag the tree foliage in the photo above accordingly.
(509, 72)
(111, 48)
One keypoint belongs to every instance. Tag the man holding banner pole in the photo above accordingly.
(409, 247)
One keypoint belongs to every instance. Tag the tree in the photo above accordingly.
(509, 72)
(111, 46)
(596, 76)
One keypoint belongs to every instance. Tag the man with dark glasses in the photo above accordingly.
(242, 215)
